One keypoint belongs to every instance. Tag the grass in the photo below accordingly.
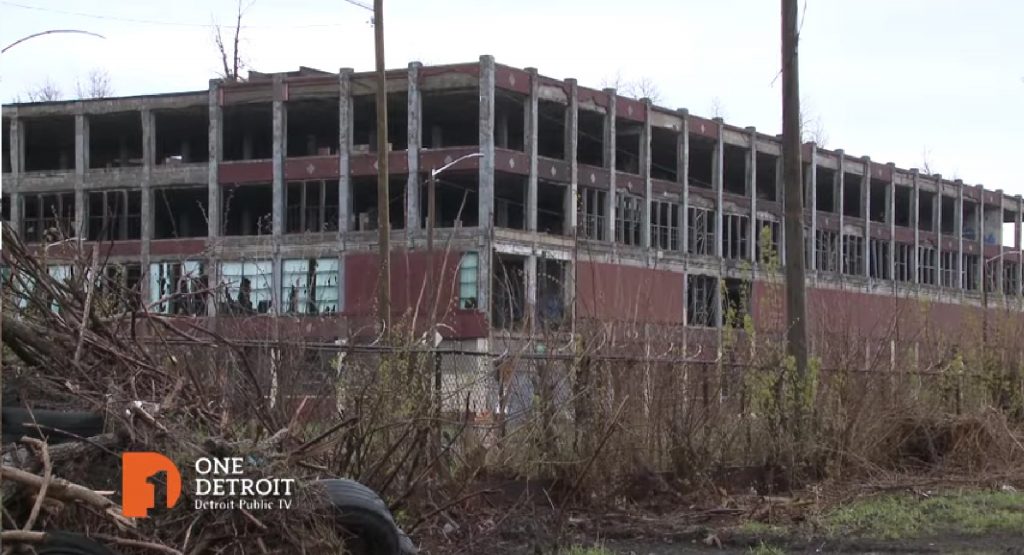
(764, 549)
(580, 550)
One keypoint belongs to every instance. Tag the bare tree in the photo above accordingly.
(812, 128)
(644, 87)
(717, 108)
(97, 85)
(47, 91)
(232, 60)
(926, 163)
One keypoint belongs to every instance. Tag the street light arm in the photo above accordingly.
(435, 173)
(51, 31)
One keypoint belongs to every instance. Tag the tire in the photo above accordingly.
(65, 543)
(17, 423)
(363, 514)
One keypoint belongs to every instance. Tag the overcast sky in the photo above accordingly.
(897, 80)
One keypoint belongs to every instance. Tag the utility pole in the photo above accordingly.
(796, 303)
(383, 195)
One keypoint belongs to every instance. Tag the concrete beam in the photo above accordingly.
(345, 219)
(413, 221)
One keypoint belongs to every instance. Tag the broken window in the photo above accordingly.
(5, 135)
(734, 167)
(825, 190)
(904, 255)
(948, 207)
(700, 301)
(853, 255)
(701, 231)
(1011, 278)
(851, 195)
(49, 143)
(551, 207)
(826, 249)
(509, 288)
(735, 231)
(115, 215)
(970, 221)
(903, 206)
(47, 217)
(119, 287)
(178, 287)
(665, 225)
(450, 118)
(947, 269)
(115, 140)
(627, 145)
(312, 206)
(180, 212)
(309, 286)
(768, 237)
(879, 252)
(664, 153)
(509, 121)
(735, 302)
(879, 200)
(767, 172)
(456, 202)
(551, 129)
(926, 211)
(1009, 229)
(590, 138)
(248, 209)
(469, 268)
(629, 217)
(182, 136)
(365, 206)
(313, 127)
(510, 201)
(592, 207)
(248, 132)
(926, 262)
(702, 161)
(247, 286)
(551, 280)
(969, 270)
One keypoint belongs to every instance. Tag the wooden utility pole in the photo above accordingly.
(383, 195)
(796, 303)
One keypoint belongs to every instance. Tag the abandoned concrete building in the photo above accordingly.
(582, 205)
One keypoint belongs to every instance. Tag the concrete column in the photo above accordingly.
(865, 192)
(11, 183)
(839, 193)
(645, 173)
(280, 152)
(216, 154)
(1018, 244)
(959, 229)
(146, 193)
(530, 282)
(717, 169)
(485, 206)
(609, 162)
(683, 177)
(413, 220)
(999, 242)
(811, 196)
(937, 218)
(915, 211)
(755, 232)
(780, 196)
(530, 136)
(81, 166)
(980, 226)
(892, 222)
(571, 144)
(345, 150)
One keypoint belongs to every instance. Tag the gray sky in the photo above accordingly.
(897, 80)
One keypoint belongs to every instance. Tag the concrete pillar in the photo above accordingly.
(683, 177)
(891, 199)
(937, 218)
(280, 152)
(811, 196)
(413, 220)
(11, 182)
(915, 211)
(959, 229)
(530, 283)
(609, 162)
(345, 220)
(980, 226)
(645, 174)
(530, 136)
(717, 169)
(839, 193)
(572, 113)
(216, 154)
(146, 193)
(485, 205)
(81, 166)
(865, 192)
(755, 232)
(1018, 243)
(999, 242)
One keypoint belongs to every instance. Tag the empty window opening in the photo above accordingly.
(879, 263)
(180, 212)
(551, 286)
(450, 118)
(970, 221)
(247, 287)
(47, 217)
(629, 217)
(735, 160)
(1010, 230)
(115, 140)
(509, 120)
(825, 190)
(903, 206)
(312, 206)
(590, 138)
(456, 202)
(1011, 278)
(701, 162)
(551, 207)
(879, 200)
(969, 269)
(248, 210)
(178, 287)
(700, 301)
(767, 173)
(926, 211)
(5, 135)
(947, 269)
(700, 231)
(665, 223)
(119, 287)
(593, 213)
(313, 127)
(826, 251)
(926, 265)
(5, 211)
(851, 195)
(735, 302)
(365, 208)
(903, 256)
(664, 153)
(768, 237)
(627, 145)
(182, 136)
(948, 215)
(309, 286)
(510, 201)
(735, 236)
(853, 255)
(469, 268)
(248, 132)
(115, 215)
(509, 289)
(49, 143)
(551, 129)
